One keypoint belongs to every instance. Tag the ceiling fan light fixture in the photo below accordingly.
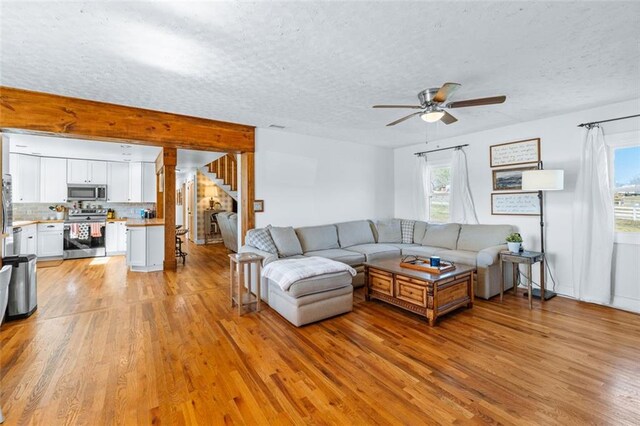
(432, 116)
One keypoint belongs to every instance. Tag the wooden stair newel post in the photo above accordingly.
(166, 166)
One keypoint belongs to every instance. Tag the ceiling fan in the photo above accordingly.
(432, 104)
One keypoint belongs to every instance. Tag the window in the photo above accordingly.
(439, 187)
(624, 162)
(626, 187)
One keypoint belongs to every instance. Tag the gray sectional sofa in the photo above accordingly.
(355, 242)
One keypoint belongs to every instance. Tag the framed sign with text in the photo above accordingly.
(512, 153)
(515, 204)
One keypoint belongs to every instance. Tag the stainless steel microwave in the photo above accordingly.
(86, 192)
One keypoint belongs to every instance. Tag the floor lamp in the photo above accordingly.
(542, 180)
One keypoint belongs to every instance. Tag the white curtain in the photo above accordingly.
(462, 209)
(593, 222)
(421, 188)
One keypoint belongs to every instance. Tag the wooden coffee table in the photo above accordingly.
(430, 295)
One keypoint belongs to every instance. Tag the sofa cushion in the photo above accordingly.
(286, 241)
(441, 235)
(422, 251)
(406, 230)
(376, 251)
(403, 246)
(260, 238)
(314, 238)
(389, 231)
(459, 256)
(419, 228)
(320, 284)
(356, 232)
(351, 258)
(477, 237)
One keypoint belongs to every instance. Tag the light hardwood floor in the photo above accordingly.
(111, 347)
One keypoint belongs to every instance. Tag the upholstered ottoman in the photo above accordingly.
(305, 290)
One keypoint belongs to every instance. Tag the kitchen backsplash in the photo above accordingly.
(35, 211)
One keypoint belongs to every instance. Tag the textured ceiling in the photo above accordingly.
(317, 67)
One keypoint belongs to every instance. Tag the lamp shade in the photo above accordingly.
(543, 180)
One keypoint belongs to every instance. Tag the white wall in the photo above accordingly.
(307, 180)
(561, 145)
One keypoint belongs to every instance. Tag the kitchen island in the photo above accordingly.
(145, 244)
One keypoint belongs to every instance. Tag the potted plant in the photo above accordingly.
(514, 241)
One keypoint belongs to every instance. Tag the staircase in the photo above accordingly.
(224, 173)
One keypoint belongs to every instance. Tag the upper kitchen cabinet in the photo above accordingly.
(53, 180)
(135, 182)
(148, 182)
(118, 182)
(25, 172)
(86, 172)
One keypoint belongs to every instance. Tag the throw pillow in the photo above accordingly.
(260, 238)
(286, 241)
(389, 231)
(407, 231)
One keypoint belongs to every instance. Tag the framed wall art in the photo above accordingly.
(512, 153)
(515, 204)
(509, 179)
(258, 206)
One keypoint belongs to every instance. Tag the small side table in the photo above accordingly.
(239, 265)
(525, 257)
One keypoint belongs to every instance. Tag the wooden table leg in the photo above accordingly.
(240, 287)
(474, 277)
(258, 285)
(501, 276)
(529, 286)
(366, 284)
(514, 273)
(231, 279)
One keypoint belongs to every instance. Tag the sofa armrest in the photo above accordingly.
(268, 257)
(489, 256)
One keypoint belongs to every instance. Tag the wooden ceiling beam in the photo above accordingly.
(26, 111)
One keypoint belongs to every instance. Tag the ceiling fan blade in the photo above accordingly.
(398, 106)
(393, 123)
(445, 91)
(448, 118)
(477, 102)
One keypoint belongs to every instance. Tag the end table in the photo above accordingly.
(238, 262)
(524, 257)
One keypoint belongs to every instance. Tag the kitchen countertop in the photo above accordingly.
(34, 222)
(145, 222)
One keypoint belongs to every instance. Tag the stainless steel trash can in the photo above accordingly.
(23, 287)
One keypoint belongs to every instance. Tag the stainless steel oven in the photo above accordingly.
(84, 233)
(77, 192)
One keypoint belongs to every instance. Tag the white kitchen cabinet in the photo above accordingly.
(122, 237)
(135, 182)
(50, 240)
(116, 238)
(137, 246)
(86, 172)
(145, 248)
(98, 172)
(111, 238)
(148, 182)
(53, 180)
(25, 174)
(29, 241)
(117, 182)
(77, 171)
